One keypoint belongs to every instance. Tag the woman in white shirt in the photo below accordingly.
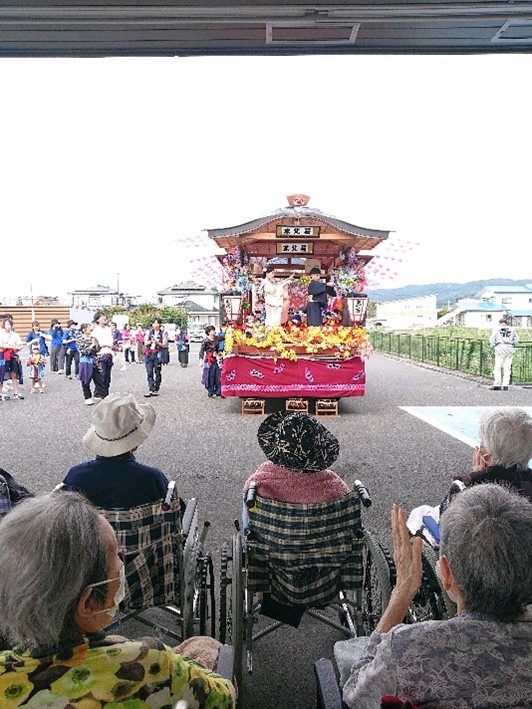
(10, 345)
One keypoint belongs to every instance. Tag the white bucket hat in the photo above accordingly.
(119, 424)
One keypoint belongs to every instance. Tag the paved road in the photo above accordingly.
(210, 449)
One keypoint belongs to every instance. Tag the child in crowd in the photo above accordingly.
(139, 335)
(118, 355)
(36, 364)
(128, 343)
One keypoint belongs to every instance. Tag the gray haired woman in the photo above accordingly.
(505, 450)
(482, 657)
(62, 582)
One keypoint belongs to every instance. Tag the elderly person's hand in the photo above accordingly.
(407, 558)
(482, 458)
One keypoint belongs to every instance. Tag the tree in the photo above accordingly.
(147, 312)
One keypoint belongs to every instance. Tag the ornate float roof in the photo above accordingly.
(262, 237)
(297, 213)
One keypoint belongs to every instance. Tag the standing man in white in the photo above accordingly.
(503, 340)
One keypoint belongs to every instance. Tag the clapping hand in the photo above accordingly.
(406, 555)
(481, 458)
(407, 558)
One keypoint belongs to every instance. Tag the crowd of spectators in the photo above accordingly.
(54, 615)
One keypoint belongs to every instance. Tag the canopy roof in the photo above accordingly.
(83, 28)
(262, 238)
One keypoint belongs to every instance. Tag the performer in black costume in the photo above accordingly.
(317, 291)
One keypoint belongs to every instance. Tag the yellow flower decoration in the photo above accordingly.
(281, 341)
(15, 687)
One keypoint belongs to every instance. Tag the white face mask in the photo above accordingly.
(120, 592)
(438, 574)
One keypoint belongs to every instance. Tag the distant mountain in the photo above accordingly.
(446, 292)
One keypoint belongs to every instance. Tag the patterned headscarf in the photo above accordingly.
(296, 441)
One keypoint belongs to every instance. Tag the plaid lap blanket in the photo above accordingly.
(303, 554)
(149, 537)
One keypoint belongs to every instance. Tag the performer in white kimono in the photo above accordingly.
(274, 292)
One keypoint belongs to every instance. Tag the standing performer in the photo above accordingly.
(317, 292)
(87, 347)
(156, 341)
(183, 346)
(208, 358)
(274, 294)
(104, 358)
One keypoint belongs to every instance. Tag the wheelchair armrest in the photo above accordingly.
(456, 487)
(225, 666)
(188, 516)
(328, 692)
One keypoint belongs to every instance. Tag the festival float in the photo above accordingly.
(311, 367)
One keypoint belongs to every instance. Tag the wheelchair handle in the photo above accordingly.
(203, 533)
(170, 490)
(363, 494)
(251, 495)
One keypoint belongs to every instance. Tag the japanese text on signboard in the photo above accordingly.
(297, 232)
(295, 248)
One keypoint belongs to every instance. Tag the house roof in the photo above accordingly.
(480, 306)
(96, 290)
(526, 313)
(182, 288)
(506, 289)
(191, 307)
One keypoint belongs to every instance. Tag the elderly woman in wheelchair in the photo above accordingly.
(304, 548)
(61, 584)
(502, 457)
(482, 657)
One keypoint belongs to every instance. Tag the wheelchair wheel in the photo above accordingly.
(231, 622)
(431, 601)
(378, 573)
(191, 578)
(237, 606)
(224, 581)
(207, 603)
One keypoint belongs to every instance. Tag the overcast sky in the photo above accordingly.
(106, 163)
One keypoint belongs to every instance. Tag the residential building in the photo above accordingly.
(407, 314)
(200, 303)
(491, 304)
(101, 297)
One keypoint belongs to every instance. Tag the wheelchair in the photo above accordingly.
(432, 601)
(166, 566)
(301, 558)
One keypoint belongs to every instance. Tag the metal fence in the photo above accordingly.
(463, 355)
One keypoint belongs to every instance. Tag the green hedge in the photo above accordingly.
(473, 356)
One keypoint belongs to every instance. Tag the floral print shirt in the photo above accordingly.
(111, 673)
(467, 662)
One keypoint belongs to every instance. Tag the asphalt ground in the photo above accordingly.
(210, 449)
